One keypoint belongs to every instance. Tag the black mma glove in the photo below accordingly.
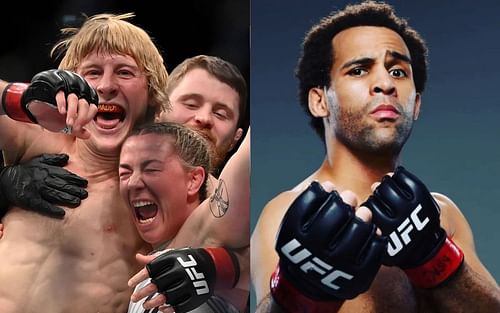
(408, 215)
(327, 254)
(44, 87)
(40, 183)
(188, 277)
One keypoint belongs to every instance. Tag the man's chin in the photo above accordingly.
(109, 140)
(108, 145)
(383, 148)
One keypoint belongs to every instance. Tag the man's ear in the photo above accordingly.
(318, 105)
(196, 179)
(152, 112)
(416, 112)
(237, 136)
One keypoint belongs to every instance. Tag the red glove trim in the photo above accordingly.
(437, 270)
(11, 102)
(227, 269)
(293, 301)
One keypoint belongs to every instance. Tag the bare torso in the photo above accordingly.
(77, 264)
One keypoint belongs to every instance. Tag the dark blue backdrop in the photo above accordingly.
(454, 147)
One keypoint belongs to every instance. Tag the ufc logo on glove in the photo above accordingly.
(312, 263)
(198, 279)
(189, 276)
(403, 230)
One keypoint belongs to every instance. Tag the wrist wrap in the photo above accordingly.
(446, 262)
(293, 301)
(12, 103)
(227, 268)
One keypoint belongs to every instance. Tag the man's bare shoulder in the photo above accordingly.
(279, 204)
(38, 141)
(273, 212)
(442, 199)
(452, 218)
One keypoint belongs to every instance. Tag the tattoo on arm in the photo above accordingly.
(219, 201)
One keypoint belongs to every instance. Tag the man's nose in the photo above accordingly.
(383, 83)
(203, 118)
(107, 85)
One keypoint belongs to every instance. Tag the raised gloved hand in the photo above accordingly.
(188, 277)
(40, 184)
(407, 213)
(327, 254)
(36, 102)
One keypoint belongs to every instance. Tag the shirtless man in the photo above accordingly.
(82, 262)
(361, 76)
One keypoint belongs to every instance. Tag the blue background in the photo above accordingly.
(454, 147)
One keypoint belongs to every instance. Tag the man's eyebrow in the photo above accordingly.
(360, 61)
(369, 61)
(222, 105)
(400, 56)
(190, 95)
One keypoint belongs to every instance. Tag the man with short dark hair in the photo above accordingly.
(209, 94)
(361, 76)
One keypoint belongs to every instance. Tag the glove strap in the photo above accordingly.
(439, 268)
(293, 301)
(11, 103)
(227, 267)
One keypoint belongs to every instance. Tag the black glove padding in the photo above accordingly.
(40, 183)
(408, 215)
(45, 85)
(185, 276)
(325, 251)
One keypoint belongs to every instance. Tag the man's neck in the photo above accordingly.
(351, 171)
(95, 163)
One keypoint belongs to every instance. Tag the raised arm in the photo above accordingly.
(42, 183)
(223, 218)
(57, 100)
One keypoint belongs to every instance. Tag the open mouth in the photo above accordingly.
(145, 211)
(109, 115)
